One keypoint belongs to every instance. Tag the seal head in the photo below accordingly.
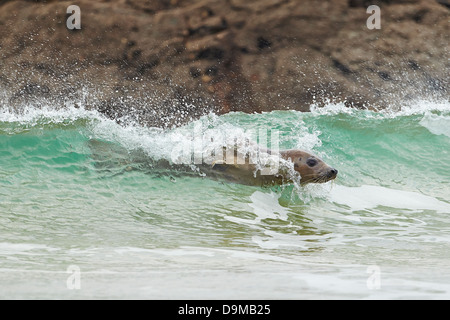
(311, 168)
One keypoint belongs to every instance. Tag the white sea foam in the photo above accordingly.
(32, 116)
(416, 107)
(7, 248)
(368, 197)
(266, 205)
(423, 106)
(437, 124)
(331, 109)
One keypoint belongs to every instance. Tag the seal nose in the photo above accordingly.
(333, 172)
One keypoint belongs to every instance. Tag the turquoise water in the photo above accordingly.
(74, 226)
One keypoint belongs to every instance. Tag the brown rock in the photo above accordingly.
(169, 61)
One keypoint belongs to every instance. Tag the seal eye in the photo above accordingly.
(311, 162)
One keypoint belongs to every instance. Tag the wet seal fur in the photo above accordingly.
(310, 169)
(293, 166)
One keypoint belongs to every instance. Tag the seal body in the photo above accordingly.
(258, 167)
(293, 166)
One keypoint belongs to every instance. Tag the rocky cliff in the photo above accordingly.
(164, 62)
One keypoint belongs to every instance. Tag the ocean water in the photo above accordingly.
(83, 214)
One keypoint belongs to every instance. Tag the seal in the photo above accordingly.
(273, 168)
(307, 168)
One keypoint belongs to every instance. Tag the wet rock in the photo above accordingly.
(165, 62)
